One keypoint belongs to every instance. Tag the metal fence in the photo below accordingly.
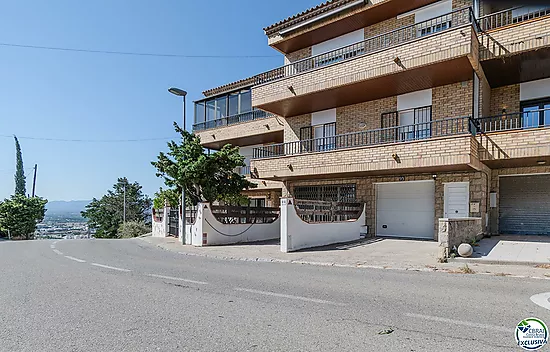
(425, 130)
(514, 121)
(173, 223)
(227, 214)
(230, 120)
(316, 211)
(373, 44)
(512, 16)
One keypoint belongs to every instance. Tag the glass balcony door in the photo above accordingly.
(535, 113)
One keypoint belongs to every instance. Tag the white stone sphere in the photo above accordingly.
(465, 250)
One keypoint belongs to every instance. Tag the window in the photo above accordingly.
(199, 112)
(221, 107)
(536, 113)
(318, 138)
(257, 202)
(431, 27)
(415, 123)
(329, 193)
(246, 101)
(233, 104)
(210, 110)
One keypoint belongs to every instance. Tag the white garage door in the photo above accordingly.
(405, 209)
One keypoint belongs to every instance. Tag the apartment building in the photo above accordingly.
(419, 109)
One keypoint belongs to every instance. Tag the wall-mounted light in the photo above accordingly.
(290, 167)
(463, 34)
(398, 62)
(396, 158)
(213, 136)
(541, 162)
(267, 126)
(264, 183)
(362, 125)
(434, 177)
(291, 89)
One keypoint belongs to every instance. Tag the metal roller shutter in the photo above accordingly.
(524, 207)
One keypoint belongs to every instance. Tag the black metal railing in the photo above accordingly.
(512, 16)
(315, 211)
(230, 120)
(431, 129)
(227, 214)
(515, 121)
(380, 42)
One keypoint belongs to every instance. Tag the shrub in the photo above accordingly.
(133, 229)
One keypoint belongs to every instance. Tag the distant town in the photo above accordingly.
(63, 221)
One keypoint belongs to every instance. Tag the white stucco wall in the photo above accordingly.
(207, 227)
(160, 228)
(297, 234)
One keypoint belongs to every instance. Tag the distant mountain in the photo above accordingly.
(62, 207)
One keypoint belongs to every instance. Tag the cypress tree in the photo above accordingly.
(20, 185)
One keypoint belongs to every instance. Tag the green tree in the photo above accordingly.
(164, 196)
(19, 215)
(107, 214)
(20, 183)
(206, 177)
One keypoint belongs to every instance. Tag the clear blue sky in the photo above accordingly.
(70, 95)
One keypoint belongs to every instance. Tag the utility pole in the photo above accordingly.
(34, 180)
(181, 93)
(124, 219)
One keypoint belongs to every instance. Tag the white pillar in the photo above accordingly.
(285, 237)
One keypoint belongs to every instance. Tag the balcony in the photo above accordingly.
(430, 53)
(440, 145)
(249, 128)
(522, 36)
(260, 184)
(515, 139)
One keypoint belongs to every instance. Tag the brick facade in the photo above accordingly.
(363, 116)
(505, 98)
(517, 144)
(427, 153)
(445, 46)
(449, 101)
(452, 100)
(299, 54)
(388, 26)
(246, 129)
(366, 191)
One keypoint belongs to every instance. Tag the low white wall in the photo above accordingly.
(207, 231)
(297, 234)
(160, 228)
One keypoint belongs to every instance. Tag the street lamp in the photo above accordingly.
(181, 93)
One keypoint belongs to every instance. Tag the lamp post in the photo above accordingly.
(181, 93)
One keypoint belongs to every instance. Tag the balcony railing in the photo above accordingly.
(515, 121)
(230, 120)
(380, 42)
(243, 170)
(420, 131)
(512, 16)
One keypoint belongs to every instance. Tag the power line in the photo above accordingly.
(129, 53)
(91, 140)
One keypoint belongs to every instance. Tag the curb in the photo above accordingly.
(495, 262)
(330, 264)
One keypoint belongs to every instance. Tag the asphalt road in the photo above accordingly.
(127, 295)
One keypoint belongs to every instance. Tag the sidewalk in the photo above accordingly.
(378, 253)
(516, 250)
